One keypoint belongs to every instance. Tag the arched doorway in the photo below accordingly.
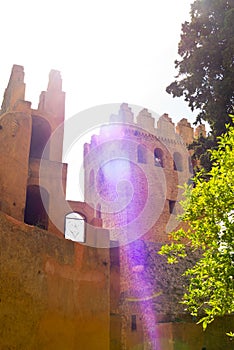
(41, 132)
(36, 209)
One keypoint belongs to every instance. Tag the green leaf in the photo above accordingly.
(209, 217)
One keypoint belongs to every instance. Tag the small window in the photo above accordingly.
(91, 178)
(133, 323)
(114, 254)
(75, 227)
(190, 165)
(178, 163)
(98, 211)
(172, 207)
(100, 177)
(158, 157)
(141, 154)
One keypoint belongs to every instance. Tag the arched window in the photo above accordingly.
(158, 157)
(133, 323)
(91, 178)
(190, 165)
(37, 203)
(75, 227)
(141, 154)
(41, 132)
(100, 177)
(178, 162)
(99, 211)
(172, 205)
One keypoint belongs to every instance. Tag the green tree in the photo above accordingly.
(209, 217)
(206, 68)
(201, 153)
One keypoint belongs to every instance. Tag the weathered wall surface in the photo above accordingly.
(54, 293)
(188, 336)
(15, 128)
(152, 293)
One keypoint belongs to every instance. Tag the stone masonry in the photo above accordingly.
(112, 290)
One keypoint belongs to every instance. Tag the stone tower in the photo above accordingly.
(24, 134)
(32, 143)
(132, 173)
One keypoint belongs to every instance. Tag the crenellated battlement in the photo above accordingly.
(148, 127)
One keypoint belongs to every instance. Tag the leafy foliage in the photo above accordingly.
(206, 68)
(209, 217)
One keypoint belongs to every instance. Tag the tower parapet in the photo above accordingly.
(146, 121)
(53, 100)
(200, 131)
(15, 89)
(184, 129)
(165, 128)
(125, 115)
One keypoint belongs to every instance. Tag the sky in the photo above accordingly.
(107, 51)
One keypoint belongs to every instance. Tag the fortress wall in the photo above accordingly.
(54, 292)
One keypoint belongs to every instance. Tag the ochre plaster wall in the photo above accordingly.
(54, 292)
